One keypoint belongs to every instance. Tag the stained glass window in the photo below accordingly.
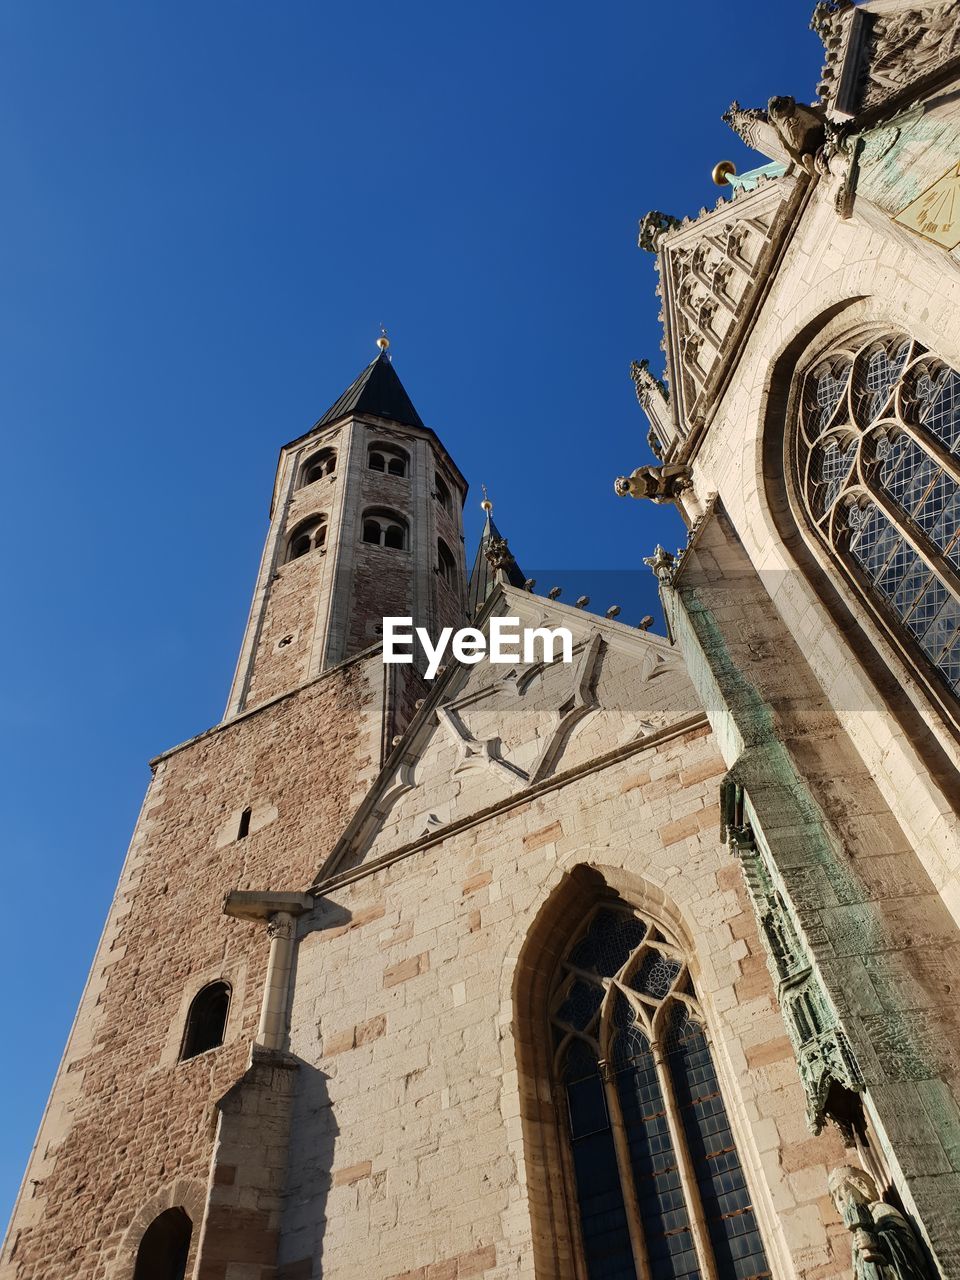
(632, 1058)
(877, 463)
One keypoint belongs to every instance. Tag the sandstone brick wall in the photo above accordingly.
(415, 1135)
(313, 612)
(127, 1121)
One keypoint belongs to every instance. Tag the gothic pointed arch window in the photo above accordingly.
(658, 1183)
(875, 455)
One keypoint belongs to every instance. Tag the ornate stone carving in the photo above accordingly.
(282, 925)
(802, 130)
(661, 562)
(498, 554)
(884, 1244)
(830, 22)
(908, 46)
(652, 227)
(662, 483)
(646, 383)
(754, 127)
(820, 1045)
(710, 271)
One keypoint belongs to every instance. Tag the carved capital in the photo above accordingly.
(282, 925)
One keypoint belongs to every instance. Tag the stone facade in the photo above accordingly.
(396, 879)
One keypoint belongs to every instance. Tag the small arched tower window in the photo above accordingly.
(875, 442)
(657, 1176)
(385, 529)
(446, 565)
(207, 1020)
(319, 465)
(442, 493)
(165, 1247)
(306, 537)
(388, 458)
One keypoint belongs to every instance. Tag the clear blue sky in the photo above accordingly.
(209, 208)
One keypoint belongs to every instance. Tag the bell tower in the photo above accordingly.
(366, 522)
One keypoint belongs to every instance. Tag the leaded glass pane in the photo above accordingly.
(663, 1211)
(611, 938)
(655, 975)
(615, 944)
(580, 1006)
(879, 376)
(723, 1190)
(941, 411)
(905, 407)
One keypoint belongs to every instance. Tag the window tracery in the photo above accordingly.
(877, 468)
(659, 1185)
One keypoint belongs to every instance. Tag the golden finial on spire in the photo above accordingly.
(383, 342)
(486, 505)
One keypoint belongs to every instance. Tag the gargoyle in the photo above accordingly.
(802, 129)
(661, 484)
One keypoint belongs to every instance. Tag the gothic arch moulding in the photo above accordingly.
(649, 950)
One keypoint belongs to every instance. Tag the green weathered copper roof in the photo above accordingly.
(483, 577)
(378, 392)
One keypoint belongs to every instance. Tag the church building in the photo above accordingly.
(642, 966)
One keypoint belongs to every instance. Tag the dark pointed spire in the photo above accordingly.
(378, 392)
(493, 557)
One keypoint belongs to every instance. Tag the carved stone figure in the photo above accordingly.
(755, 128)
(801, 129)
(652, 227)
(664, 483)
(885, 1246)
(498, 554)
(908, 45)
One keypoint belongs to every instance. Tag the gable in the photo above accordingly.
(713, 272)
(492, 732)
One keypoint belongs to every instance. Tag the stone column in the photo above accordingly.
(282, 932)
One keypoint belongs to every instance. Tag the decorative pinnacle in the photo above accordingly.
(383, 342)
(486, 505)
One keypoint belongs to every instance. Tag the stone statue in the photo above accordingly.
(661, 484)
(802, 130)
(885, 1246)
